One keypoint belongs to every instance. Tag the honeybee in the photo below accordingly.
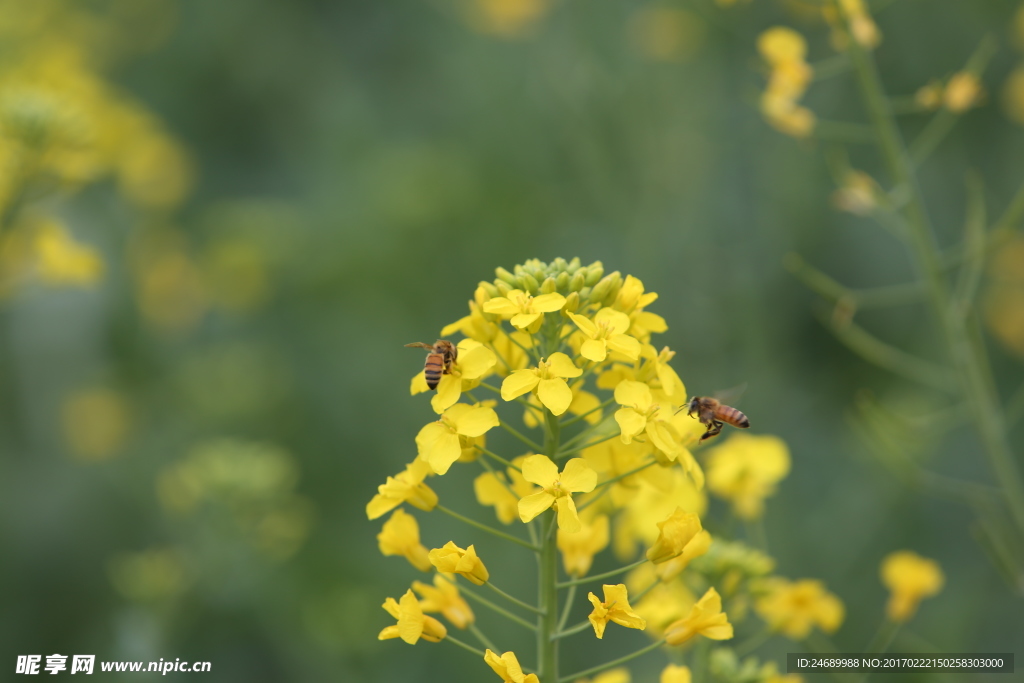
(439, 361)
(712, 412)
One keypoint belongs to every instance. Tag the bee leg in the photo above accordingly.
(713, 430)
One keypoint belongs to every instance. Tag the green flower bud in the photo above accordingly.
(573, 266)
(503, 287)
(504, 275)
(572, 303)
(577, 281)
(562, 282)
(488, 287)
(585, 293)
(600, 292)
(558, 265)
(594, 272)
(549, 285)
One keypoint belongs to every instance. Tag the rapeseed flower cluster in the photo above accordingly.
(785, 52)
(603, 459)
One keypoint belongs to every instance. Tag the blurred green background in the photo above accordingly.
(355, 169)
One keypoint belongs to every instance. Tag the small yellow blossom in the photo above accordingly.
(785, 51)
(614, 608)
(505, 18)
(861, 26)
(963, 91)
(548, 378)
(400, 535)
(666, 34)
(793, 608)
(611, 676)
(507, 666)
(745, 469)
(642, 507)
(439, 442)
(525, 312)
(910, 578)
(412, 623)
(674, 673)
(503, 491)
(675, 532)
(606, 332)
(451, 559)
(63, 261)
(557, 489)
(640, 414)
(858, 194)
(706, 618)
(578, 549)
(929, 96)
(444, 597)
(405, 487)
(696, 547)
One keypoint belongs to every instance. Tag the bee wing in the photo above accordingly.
(731, 396)
(418, 345)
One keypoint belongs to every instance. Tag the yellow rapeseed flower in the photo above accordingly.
(548, 379)
(525, 312)
(405, 487)
(444, 597)
(615, 608)
(793, 608)
(606, 331)
(578, 549)
(674, 673)
(611, 676)
(745, 469)
(785, 51)
(557, 489)
(439, 442)
(963, 91)
(696, 547)
(675, 533)
(412, 623)
(400, 535)
(639, 414)
(503, 491)
(507, 666)
(451, 559)
(706, 618)
(910, 578)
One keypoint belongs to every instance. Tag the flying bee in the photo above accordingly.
(439, 361)
(713, 413)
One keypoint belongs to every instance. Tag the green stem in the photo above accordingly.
(629, 473)
(547, 623)
(582, 626)
(974, 375)
(605, 575)
(613, 663)
(514, 601)
(484, 640)
(484, 527)
(883, 637)
(496, 609)
(582, 416)
(519, 435)
(464, 646)
(497, 458)
(569, 598)
(562, 454)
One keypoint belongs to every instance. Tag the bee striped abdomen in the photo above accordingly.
(433, 369)
(732, 416)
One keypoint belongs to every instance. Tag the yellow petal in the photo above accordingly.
(664, 438)
(535, 504)
(444, 452)
(586, 403)
(523, 321)
(616, 322)
(630, 422)
(500, 305)
(588, 328)
(568, 520)
(594, 349)
(449, 390)
(546, 303)
(418, 384)
(389, 632)
(410, 618)
(634, 394)
(476, 421)
(578, 476)
(391, 606)
(519, 383)
(624, 344)
(475, 363)
(562, 366)
(555, 394)
(670, 382)
(538, 469)
(652, 322)
(429, 434)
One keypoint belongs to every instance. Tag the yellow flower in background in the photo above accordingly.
(60, 260)
(963, 91)
(641, 508)
(858, 194)
(639, 414)
(524, 311)
(405, 487)
(439, 442)
(412, 623)
(505, 18)
(1004, 298)
(785, 51)
(745, 469)
(503, 491)
(557, 489)
(611, 676)
(451, 559)
(910, 578)
(793, 608)
(674, 534)
(706, 618)
(674, 673)
(614, 608)
(666, 34)
(444, 597)
(929, 96)
(697, 546)
(548, 378)
(96, 423)
(400, 535)
(604, 333)
(862, 26)
(1013, 95)
(578, 549)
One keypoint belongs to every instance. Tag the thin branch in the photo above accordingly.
(490, 530)
(514, 601)
(497, 609)
(498, 458)
(605, 575)
(525, 439)
(615, 662)
(822, 284)
(464, 646)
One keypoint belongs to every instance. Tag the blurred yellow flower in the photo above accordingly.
(785, 50)
(666, 34)
(507, 666)
(1004, 298)
(60, 260)
(697, 546)
(505, 18)
(793, 608)
(745, 469)
(862, 27)
(405, 487)
(1013, 95)
(578, 549)
(548, 379)
(910, 578)
(451, 559)
(96, 422)
(400, 535)
(706, 618)
(503, 491)
(963, 91)
(674, 673)
(615, 608)
(439, 443)
(858, 194)
(444, 597)
(929, 96)
(556, 489)
(412, 623)
(674, 533)
(612, 676)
